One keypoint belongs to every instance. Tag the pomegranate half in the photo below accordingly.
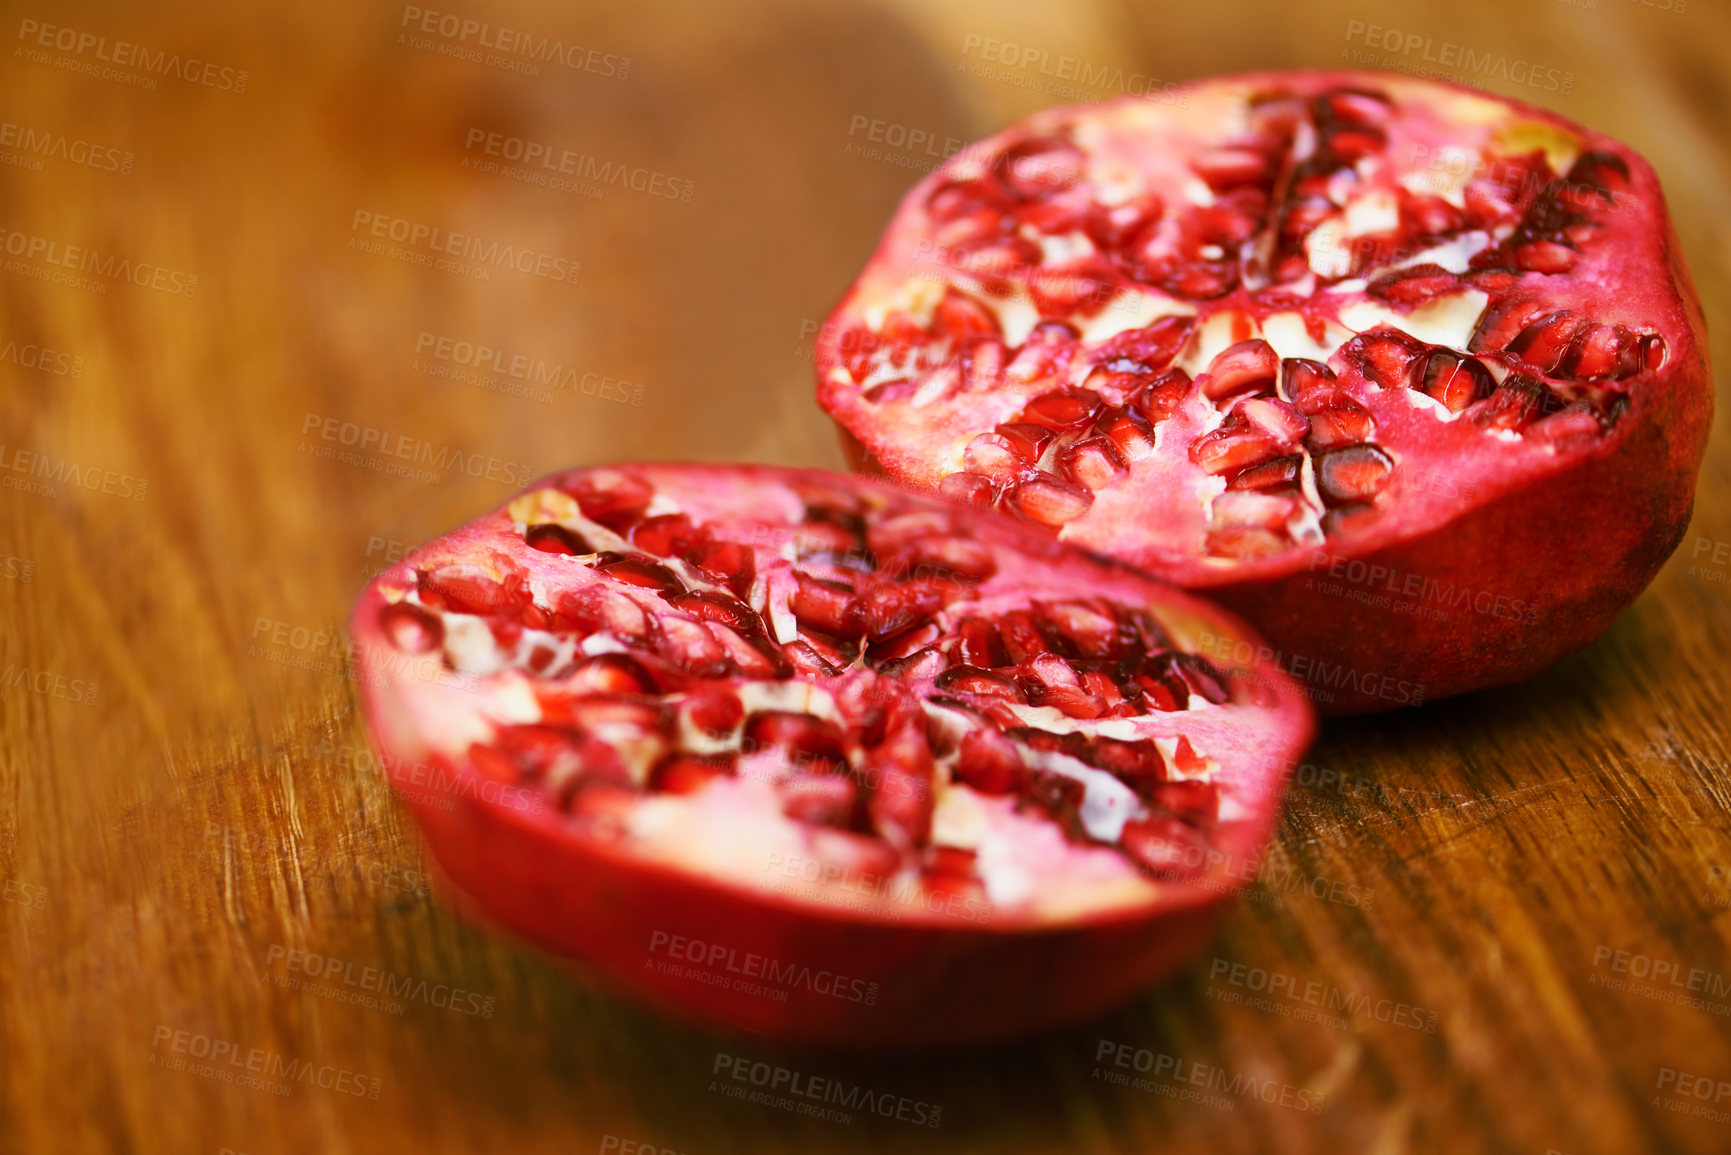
(811, 756)
(1410, 376)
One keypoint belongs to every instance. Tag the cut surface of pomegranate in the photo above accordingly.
(904, 772)
(1411, 376)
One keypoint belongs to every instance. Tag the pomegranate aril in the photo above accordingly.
(666, 535)
(472, 589)
(410, 628)
(996, 458)
(611, 497)
(1501, 322)
(1026, 440)
(728, 562)
(1356, 473)
(1545, 257)
(1281, 473)
(1048, 501)
(959, 315)
(1077, 287)
(1128, 432)
(1456, 381)
(641, 572)
(609, 674)
(1343, 422)
(1160, 398)
(989, 762)
(1035, 169)
(1280, 421)
(819, 799)
(979, 643)
(1138, 763)
(553, 538)
(1093, 463)
(1544, 342)
(1081, 630)
(713, 607)
(1194, 802)
(1247, 367)
(974, 680)
(1307, 384)
(1228, 451)
(1517, 403)
(890, 609)
(803, 736)
(1431, 216)
(715, 710)
(1225, 168)
(687, 773)
(1061, 409)
(828, 606)
(902, 644)
(968, 488)
(1413, 285)
(693, 648)
(807, 660)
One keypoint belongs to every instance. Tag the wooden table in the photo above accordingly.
(1498, 890)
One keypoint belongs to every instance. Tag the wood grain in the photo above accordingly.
(1473, 866)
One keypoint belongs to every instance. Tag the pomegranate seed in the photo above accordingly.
(1501, 323)
(1167, 848)
(959, 315)
(1248, 508)
(1161, 398)
(1652, 351)
(1356, 473)
(1052, 671)
(1516, 403)
(827, 606)
(1153, 347)
(1279, 421)
(957, 199)
(890, 609)
(1281, 473)
(1129, 433)
(1247, 367)
(668, 535)
(1344, 422)
(926, 663)
(1414, 285)
(1305, 383)
(1036, 169)
(1079, 286)
(799, 735)
(609, 674)
(686, 773)
(1456, 381)
(954, 557)
(472, 589)
(1544, 342)
(410, 628)
(1227, 451)
(600, 609)
(551, 538)
(1048, 501)
(1225, 168)
(1544, 257)
(989, 762)
(1135, 762)
(807, 660)
(1022, 638)
(640, 571)
(713, 607)
(690, 646)
(1093, 463)
(974, 680)
(819, 799)
(1431, 216)
(1192, 801)
(1082, 630)
(1120, 225)
(982, 364)
(902, 644)
(714, 709)
(1384, 356)
(1575, 422)
(979, 644)
(611, 497)
(1072, 701)
(1061, 409)
(995, 457)
(1028, 441)
(968, 488)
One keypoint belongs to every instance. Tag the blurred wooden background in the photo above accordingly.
(185, 797)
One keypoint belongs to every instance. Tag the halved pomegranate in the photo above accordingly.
(904, 772)
(1411, 376)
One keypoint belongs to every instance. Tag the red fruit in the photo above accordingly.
(1309, 348)
(848, 771)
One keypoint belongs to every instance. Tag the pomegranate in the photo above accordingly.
(1410, 376)
(822, 759)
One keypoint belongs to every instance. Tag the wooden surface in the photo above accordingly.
(168, 837)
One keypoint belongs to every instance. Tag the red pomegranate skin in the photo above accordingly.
(583, 881)
(1489, 552)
